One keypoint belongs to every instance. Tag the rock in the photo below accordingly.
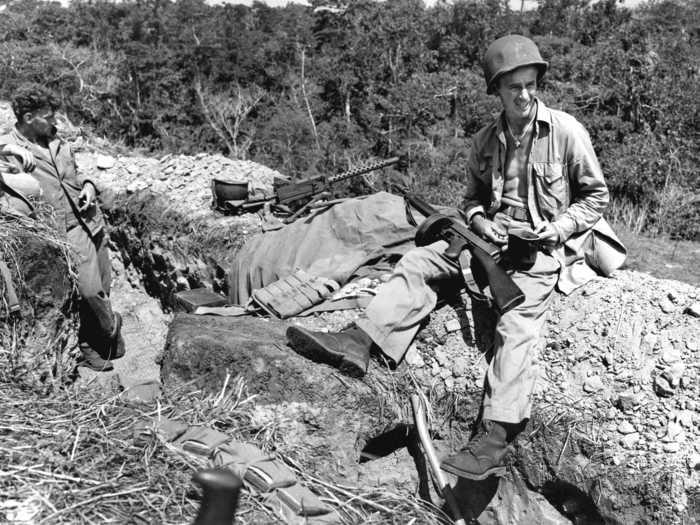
(674, 373)
(686, 382)
(346, 412)
(625, 428)
(452, 325)
(593, 384)
(441, 357)
(666, 306)
(670, 356)
(626, 401)
(630, 440)
(693, 310)
(685, 418)
(105, 162)
(413, 357)
(694, 461)
(692, 345)
(662, 387)
(460, 368)
(673, 432)
(671, 447)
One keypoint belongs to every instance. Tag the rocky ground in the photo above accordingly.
(615, 437)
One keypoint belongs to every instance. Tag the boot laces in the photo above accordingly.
(481, 434)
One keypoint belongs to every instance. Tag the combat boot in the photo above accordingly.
(484, 454)
(347, 350)
(93, 360)
(116, 347)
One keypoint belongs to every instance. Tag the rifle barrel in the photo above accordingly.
(363, 168)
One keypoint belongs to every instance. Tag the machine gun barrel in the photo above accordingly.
(289, 193)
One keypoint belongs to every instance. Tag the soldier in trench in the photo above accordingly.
(34, 144)
(531, 168)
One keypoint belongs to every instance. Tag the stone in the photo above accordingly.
(693, 310)
(626, 401)
(666, 306)
(671, 355)
(413, 357)
(460, 368)
(452, 325)
(593, 384)
(674, 432)
(685, 418)
(105, 162)
(686, 382)
(694, 461)
(630, 440)
(441, 357)
(671, 447)
(662, 387)
(626, 428)
(347, 413)
(692, 345)
(674, 373)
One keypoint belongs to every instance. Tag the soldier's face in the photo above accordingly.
(517, 91)
(42, 122)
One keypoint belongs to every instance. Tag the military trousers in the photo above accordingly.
(394, 315)
(94, 271)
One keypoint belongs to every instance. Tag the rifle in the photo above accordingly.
(296, 197)
(506, 294)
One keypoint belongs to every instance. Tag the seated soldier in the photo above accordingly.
(531, 168)
(74, 199)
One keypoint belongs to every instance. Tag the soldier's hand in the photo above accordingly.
(548, 235)
(489, 230)
(26, 156)
(87, 196)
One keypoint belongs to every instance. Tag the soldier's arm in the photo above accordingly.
(589, 193)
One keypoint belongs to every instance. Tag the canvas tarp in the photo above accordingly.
(332, 243)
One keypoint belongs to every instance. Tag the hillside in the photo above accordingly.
(614, 438)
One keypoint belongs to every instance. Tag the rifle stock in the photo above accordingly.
(506, 294)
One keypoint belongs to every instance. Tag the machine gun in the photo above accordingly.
(294, 198)
(506, 294)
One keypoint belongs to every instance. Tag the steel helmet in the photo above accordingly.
(509, 53)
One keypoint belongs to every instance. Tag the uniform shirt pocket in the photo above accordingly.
(551, 188)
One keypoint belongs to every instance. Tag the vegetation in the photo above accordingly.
(307, 89)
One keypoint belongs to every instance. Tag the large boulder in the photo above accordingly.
(313, 407)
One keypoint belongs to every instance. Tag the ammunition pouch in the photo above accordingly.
(293, 294)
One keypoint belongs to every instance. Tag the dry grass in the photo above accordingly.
(45, 361)
(71, 458)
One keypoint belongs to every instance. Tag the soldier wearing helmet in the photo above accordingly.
(532, 169)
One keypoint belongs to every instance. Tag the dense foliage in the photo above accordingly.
(312, 89)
